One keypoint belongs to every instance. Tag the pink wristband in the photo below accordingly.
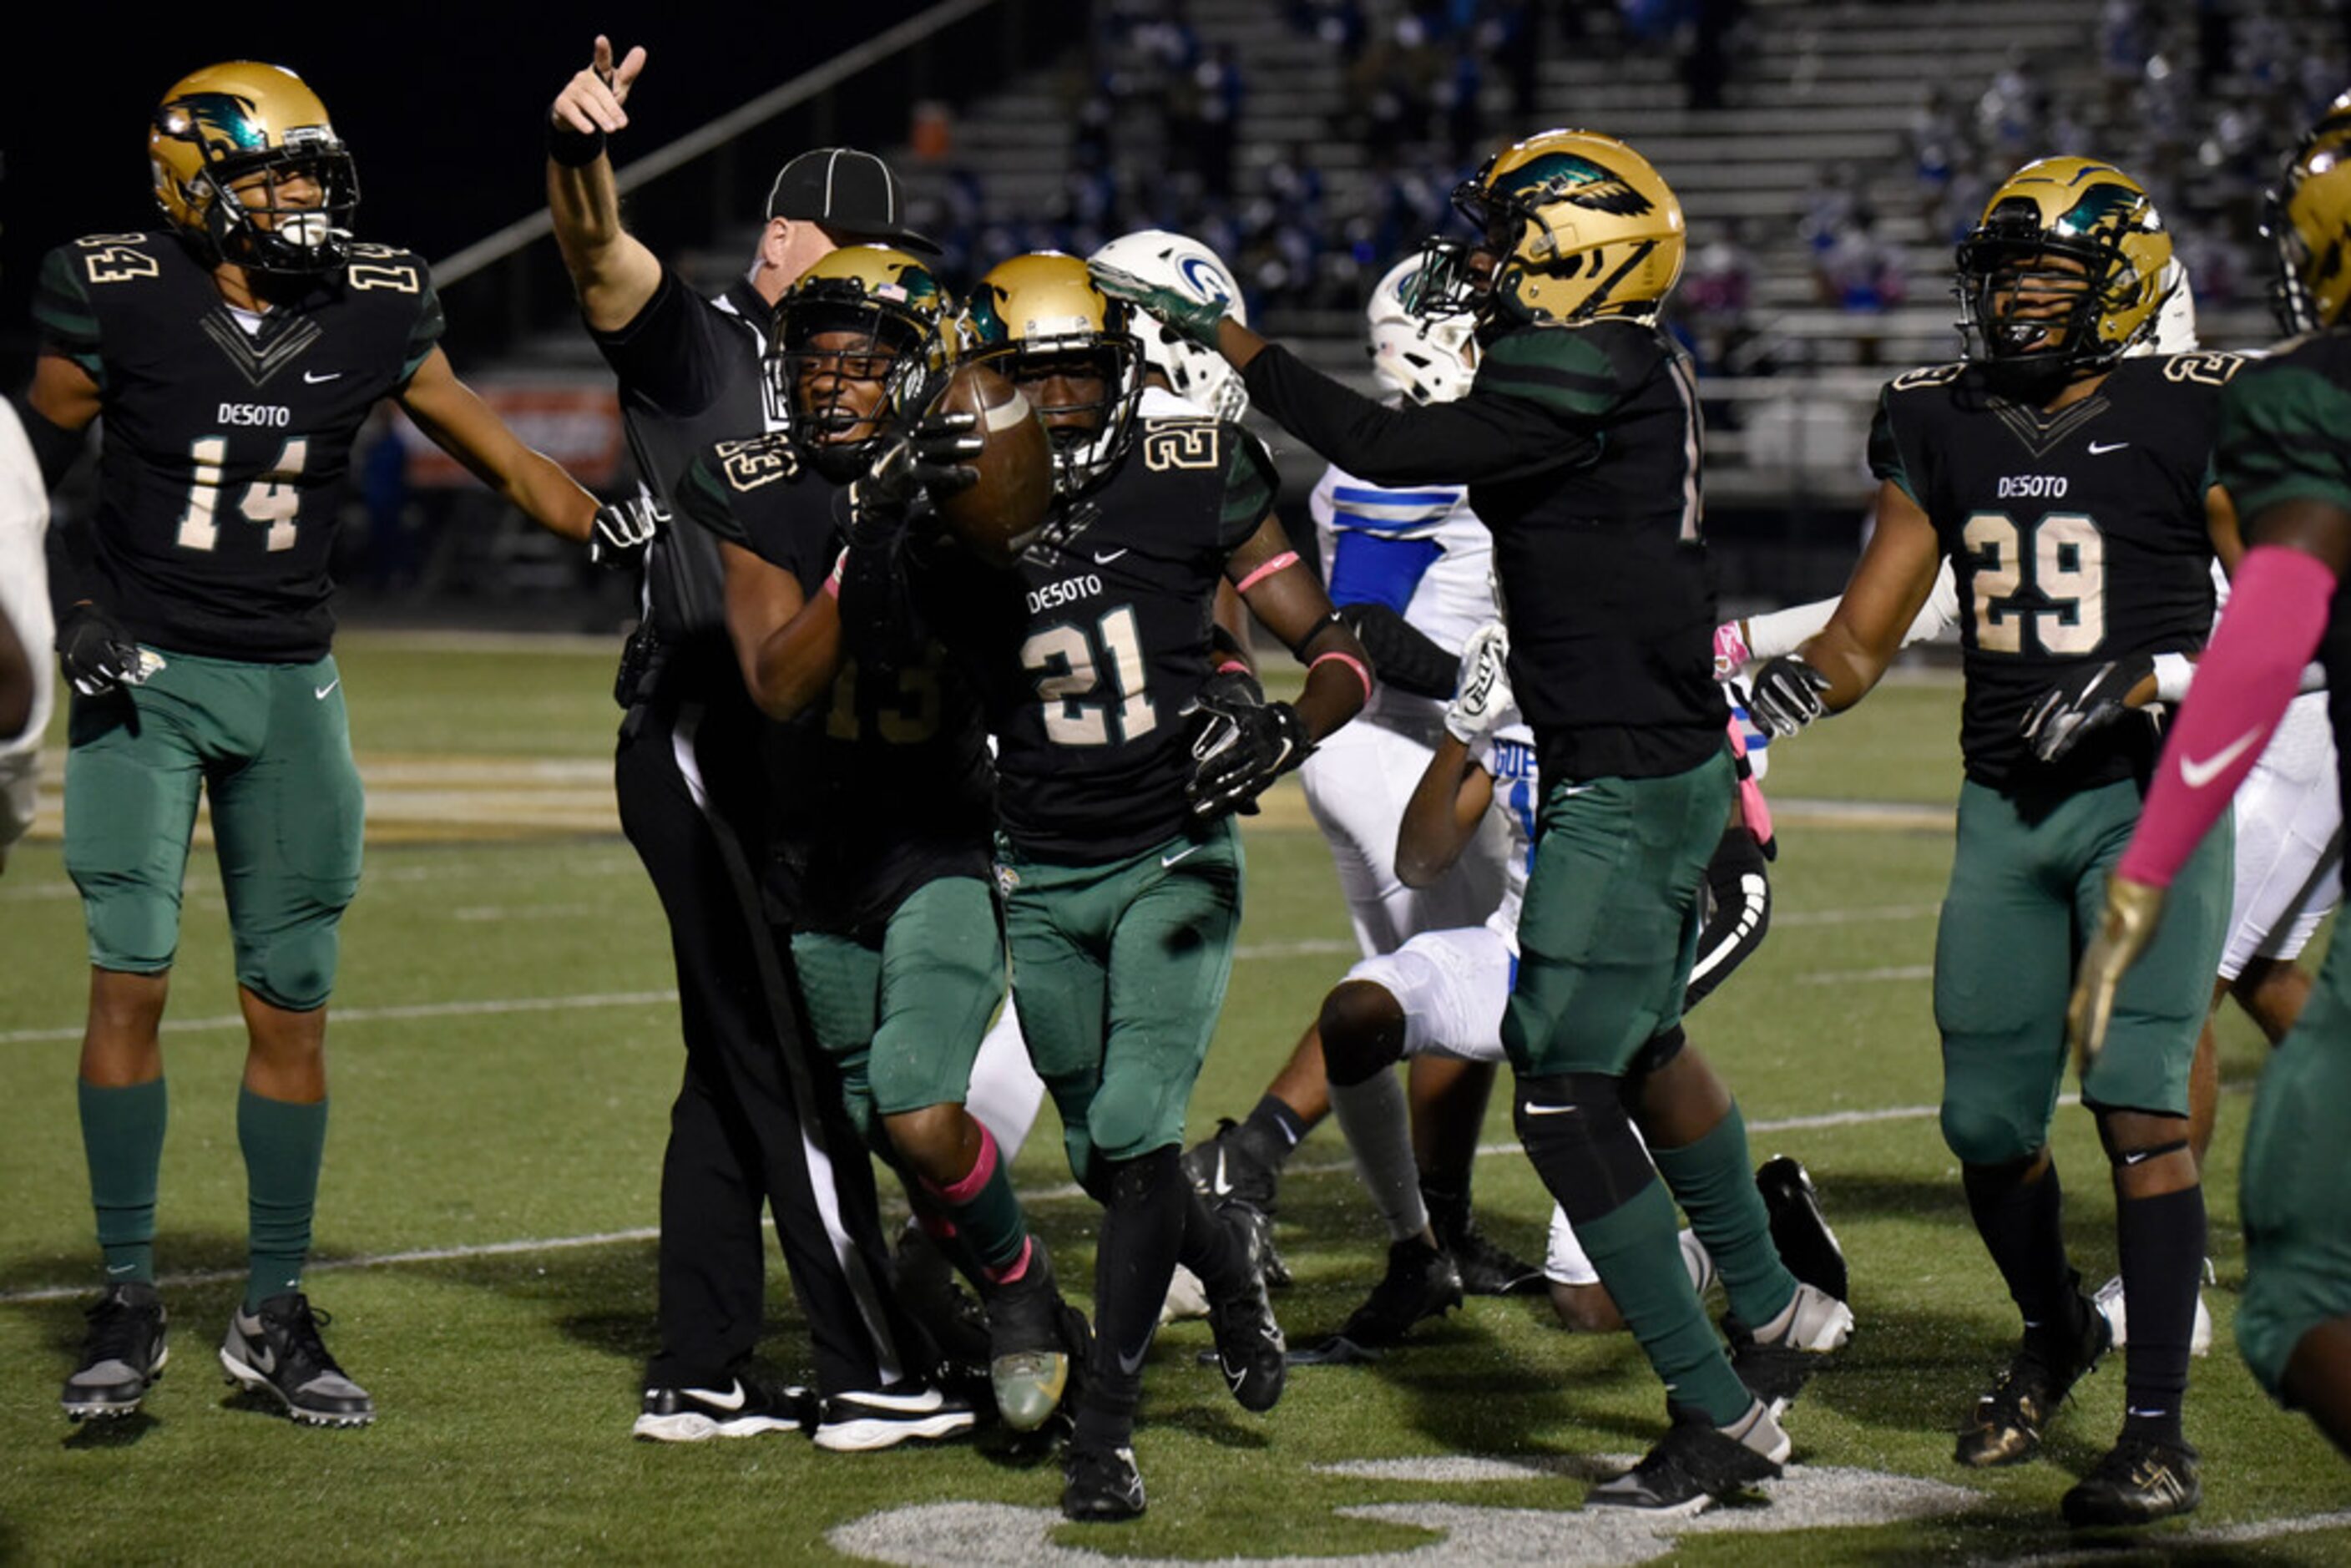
(1352, 662)
(833, 577)
(2277, 612)
(1286, 559)
(1234, 667)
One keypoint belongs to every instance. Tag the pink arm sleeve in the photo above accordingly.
(2276, 614)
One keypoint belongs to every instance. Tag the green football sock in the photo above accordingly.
(1716, 1187)
(1635, 1248)
(985, 1213)
(122, 1138)
(284, 1145)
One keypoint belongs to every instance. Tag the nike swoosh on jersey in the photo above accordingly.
(1531, 1109)
(1103, 558)
(321, 692)
(1180, 854)
(312, 378)
(2196, 775)
(2100, 449)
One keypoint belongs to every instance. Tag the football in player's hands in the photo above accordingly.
(1007, 457)
(1787, 695)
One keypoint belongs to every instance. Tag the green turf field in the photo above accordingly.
(503, 1060)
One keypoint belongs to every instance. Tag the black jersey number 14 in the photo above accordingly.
(2062, 558)
(275, 499)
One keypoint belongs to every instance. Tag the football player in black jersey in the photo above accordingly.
(2070, 485)
(757, 1122)
(1124, 746)
(1579, 443)
(887, 798)
(2283, 460)
(234, 354)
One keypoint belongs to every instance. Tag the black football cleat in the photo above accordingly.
(1225, 1172)
(1250, 1351)
(1101, 1486)
(1486, 1266)
(2138, 1482)
(277, 1351)
(2008, 1421)
(122, 1354)
(1696, 1464)
(925, 1284)
(1421, 1283)
(746, 1407)
(1799, 1230)
(1031, 1356)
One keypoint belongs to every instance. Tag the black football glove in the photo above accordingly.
(96, 654)
(931, 458)
(1241, 748)
(2087, 700)
(621, 530)
(1787, 695)
(1403, 656)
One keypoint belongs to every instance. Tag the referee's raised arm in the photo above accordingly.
(611, 271)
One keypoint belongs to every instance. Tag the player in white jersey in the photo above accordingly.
(27, 686)
(1409, 569)
(1441, 995)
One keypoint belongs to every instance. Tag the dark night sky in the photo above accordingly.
(441, 104)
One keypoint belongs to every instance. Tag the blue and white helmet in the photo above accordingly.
(1181, 263)
(1429, 355)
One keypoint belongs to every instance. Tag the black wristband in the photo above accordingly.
(572, 148)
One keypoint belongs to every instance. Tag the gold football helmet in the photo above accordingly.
(2067, 269)
(1038, 321)
(861, 338)
(1578, 225)
(228, 123)
(2308, 219)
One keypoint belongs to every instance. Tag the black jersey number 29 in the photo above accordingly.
(1068, 659)
(2062, 558)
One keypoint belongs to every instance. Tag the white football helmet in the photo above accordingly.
(1181, 263)
(1430, 355)
(2174, 324)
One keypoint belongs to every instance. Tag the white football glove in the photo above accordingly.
(1484, 691)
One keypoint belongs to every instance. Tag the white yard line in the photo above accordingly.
(1063, 1193)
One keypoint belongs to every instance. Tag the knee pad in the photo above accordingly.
(1582, 1142)
(1124, 1120)
(293, 968)
(1986, 1135)
(133, 926)
(1363, 1030)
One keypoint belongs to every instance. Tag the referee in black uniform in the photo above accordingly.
(758, 1119)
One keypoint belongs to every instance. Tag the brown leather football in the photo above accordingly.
(995, 517)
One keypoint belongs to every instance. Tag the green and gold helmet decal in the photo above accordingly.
(246, 165)
(2308, 220)
(1038, 313)
(1579, 225)
(863, 339)
(2067, 269)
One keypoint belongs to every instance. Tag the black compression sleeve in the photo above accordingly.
(1481, 437)
(1403, 655)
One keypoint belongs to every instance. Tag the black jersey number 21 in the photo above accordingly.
(2062, 558)
(1067, 668)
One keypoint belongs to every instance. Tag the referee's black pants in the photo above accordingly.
(756, 1120)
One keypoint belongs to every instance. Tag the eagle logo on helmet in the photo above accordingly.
(222, 122)
(1563, 176)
